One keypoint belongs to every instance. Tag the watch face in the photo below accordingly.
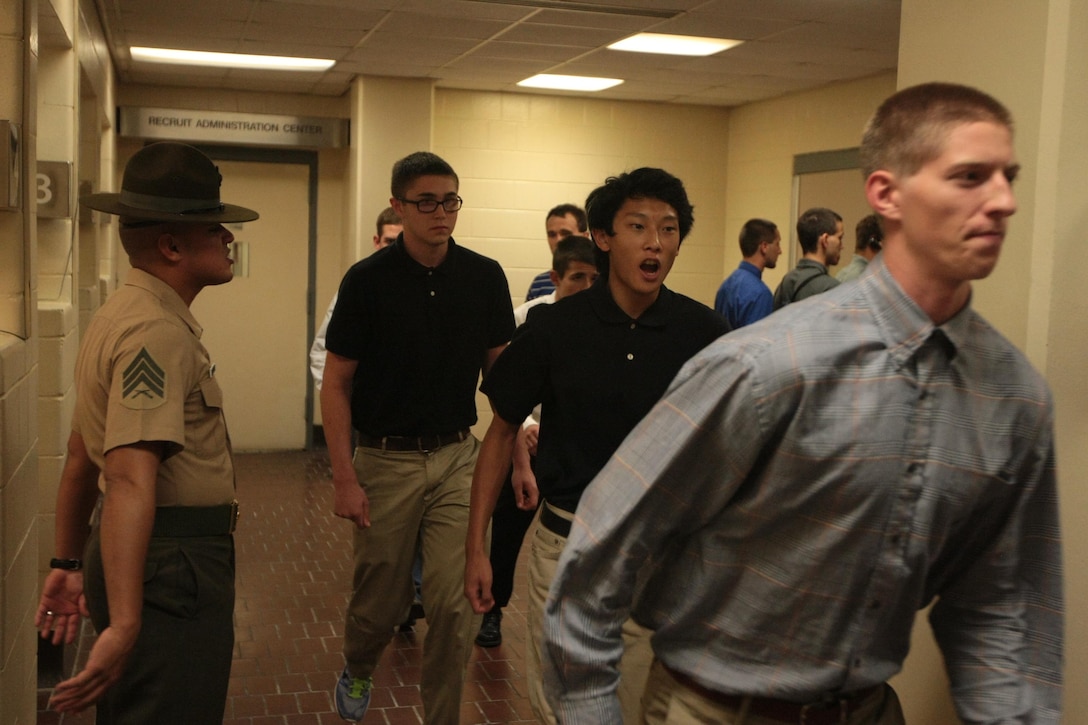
(67, 564)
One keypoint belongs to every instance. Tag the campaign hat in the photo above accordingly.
(169, 181)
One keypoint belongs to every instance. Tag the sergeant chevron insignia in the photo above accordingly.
(143, 383)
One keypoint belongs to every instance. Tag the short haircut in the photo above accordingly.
(387, 217)
(413, 166)
(574, 248)
(138, 237)
(869, 233)
(813, 223)
(605, 201)
(573, 210)
(755, 232)
(909, 128)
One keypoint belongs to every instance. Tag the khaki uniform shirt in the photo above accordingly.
(142, 374)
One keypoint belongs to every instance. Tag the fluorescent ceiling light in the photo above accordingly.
(674, 44)
(569, 83)
(229, 60)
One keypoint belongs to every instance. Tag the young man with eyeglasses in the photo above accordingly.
(414, 326)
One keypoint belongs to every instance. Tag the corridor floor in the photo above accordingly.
(294, 575)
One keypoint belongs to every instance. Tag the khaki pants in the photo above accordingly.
(637, 655)
(669, 702)
(415, 499)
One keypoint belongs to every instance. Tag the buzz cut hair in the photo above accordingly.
(910, 127)
(573, 210)
(755, 232)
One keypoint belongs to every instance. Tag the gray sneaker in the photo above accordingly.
(352, 696)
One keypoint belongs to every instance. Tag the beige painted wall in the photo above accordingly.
(518, 155)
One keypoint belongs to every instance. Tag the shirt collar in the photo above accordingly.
(806, 262)
(749, 267)
(905, 326)
(609, 312)
(170, 299)
(415, 268)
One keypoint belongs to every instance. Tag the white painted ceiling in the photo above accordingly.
(790, 45)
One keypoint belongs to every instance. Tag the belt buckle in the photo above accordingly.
(234, 514)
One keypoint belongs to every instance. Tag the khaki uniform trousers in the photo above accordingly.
(634, 664)
(419, 499)
(669, 702)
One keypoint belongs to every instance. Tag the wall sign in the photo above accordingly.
(250, 129)
(53, 189)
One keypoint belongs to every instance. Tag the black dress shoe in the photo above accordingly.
(414, 612)
(490, 634)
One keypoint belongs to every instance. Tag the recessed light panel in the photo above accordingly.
(674, 44)
(569, 83)
(229, 60)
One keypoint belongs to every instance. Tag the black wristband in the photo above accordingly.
(66, 564)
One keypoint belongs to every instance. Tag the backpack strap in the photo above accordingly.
(797, 290)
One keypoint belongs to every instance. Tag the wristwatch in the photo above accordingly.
(66, 564)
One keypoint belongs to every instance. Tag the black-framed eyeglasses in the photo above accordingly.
(426, 206)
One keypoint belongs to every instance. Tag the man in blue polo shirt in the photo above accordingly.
(743, 297)
(596, 362)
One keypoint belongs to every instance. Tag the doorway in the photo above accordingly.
(258, 327)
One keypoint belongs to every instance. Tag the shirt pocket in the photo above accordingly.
(211, 393)
(205, 427)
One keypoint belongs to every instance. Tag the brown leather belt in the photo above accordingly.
(175, 522)
(830, 712)
(554, 523)
(423, 444)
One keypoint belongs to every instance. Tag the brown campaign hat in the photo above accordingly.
(170, 181)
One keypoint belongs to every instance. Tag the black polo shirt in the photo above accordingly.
(420, 335)
(596, 373)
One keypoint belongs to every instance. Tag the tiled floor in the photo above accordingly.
(294, 562)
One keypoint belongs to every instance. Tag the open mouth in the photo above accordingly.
(650, 266)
